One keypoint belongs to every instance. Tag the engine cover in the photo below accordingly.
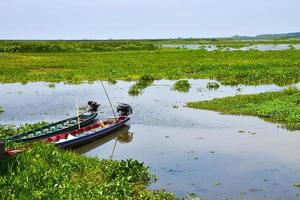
(124, 109)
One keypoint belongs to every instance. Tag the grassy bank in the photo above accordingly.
(280, 107)
(45, 172)
(251, 67)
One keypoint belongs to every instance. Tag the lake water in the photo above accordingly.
(212, 155)
(259, 47)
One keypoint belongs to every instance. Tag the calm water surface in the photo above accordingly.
(212, 155)
(259, 47)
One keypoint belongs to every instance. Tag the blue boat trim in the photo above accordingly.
(92, 136)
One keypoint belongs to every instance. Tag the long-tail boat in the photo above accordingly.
(92, 132)
(87, 134)
(55, 128)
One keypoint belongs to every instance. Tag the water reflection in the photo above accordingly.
(121, 135)
(125, 138)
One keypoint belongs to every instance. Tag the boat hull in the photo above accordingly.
(93, 136)
(22, 138)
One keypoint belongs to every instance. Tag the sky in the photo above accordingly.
(145, 19)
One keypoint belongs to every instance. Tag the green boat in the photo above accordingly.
(55, 128)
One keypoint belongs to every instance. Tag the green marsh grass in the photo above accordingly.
(182, 86)
(236, 67)
(73, 46)
(279, 107)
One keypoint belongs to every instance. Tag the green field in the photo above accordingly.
(279, 107)
(228, 67)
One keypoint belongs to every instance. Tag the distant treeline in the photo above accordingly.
(73, 46)
(295, 34)
(269, 36)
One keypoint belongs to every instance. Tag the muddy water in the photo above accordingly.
(212, 155)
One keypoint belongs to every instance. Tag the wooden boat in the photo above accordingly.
(55, 128)
(89, 133)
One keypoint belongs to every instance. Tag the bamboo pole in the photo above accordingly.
(77, 110)
(112, 109)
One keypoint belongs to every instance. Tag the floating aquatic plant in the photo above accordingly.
(51, 85)
(212, 85)
(142, 83)
(182, 86)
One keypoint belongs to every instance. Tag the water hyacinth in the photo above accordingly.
(227, 67)
(143, 82)
(45, 172)
(212, 85)
(182, 86)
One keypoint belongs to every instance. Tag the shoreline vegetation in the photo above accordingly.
(45, 172)
(279, 107)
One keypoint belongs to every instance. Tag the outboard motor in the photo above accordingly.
(124, 109)
(93, 106)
